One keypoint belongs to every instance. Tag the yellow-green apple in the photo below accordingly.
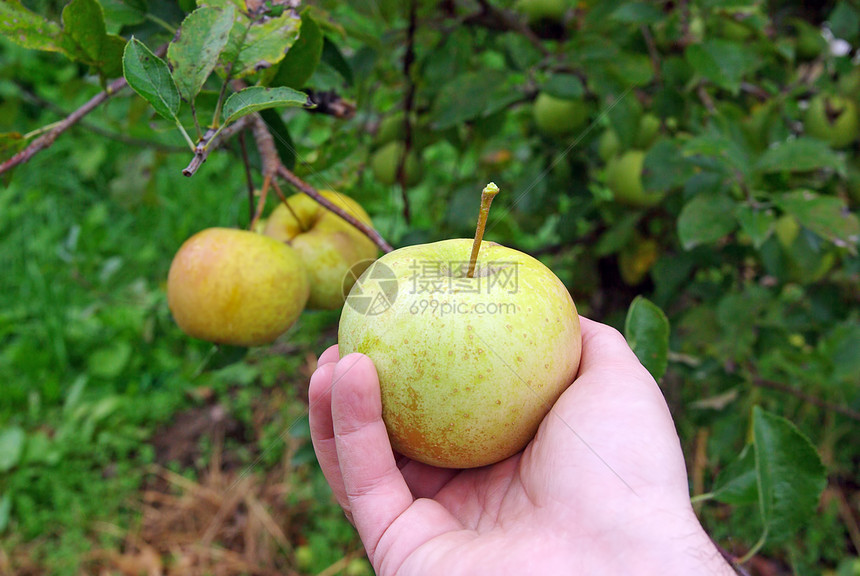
(832, 119)
(468, 365)
(624, 178)
(328, 245)
(385, 161)
(559, 117)
(390, 128)
(236, 287)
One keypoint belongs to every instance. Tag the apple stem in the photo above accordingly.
(487, 194)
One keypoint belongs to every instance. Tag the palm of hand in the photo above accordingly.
(605, 457)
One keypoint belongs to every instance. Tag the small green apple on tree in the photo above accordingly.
(624, 179)
(559, 117)
(328, 245)
(472, 350)
(385, 162)
(236, 287)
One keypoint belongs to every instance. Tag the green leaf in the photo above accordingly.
(85, 38)
(756, 223)
(827, 216)
(194, 54)
(800, 155)
(715, 146)
(149, 76)
(619, 234)
(12, 442)
(790, 475)
(841, 350)
(632, 69)
(647, 332)
(705, 219)
(84, 30)
(637, 13)
(737, 483)
(258, 98)
(624, 112)
(844, 21)
(332, 56)
(665, 167)
(303, 58)
(110, 57)
(5, 511)
(10, 144)
(27, 28)
(565, 86)
(259, 44)
(722, 62)
(470, 96)
(119, 13)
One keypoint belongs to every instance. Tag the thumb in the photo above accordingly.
(375, 489)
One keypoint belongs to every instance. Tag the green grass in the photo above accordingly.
(90, 360)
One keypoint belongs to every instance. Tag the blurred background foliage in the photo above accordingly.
(702, 154)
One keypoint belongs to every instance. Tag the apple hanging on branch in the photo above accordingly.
(236, 287)
(328, 245)
(472, 351)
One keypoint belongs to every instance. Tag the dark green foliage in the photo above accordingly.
(749, 316)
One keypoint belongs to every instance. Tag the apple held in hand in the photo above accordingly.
(236, 287)
(327, 244)
(468, 365)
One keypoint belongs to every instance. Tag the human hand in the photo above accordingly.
(601, 489)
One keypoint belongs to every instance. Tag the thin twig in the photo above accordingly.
(706, 98)
(269, 159)
(847, 514)
(303, 186)
(208, 143)
(806, 397)
(272, 166)
(47, 139)
(652, 52)
(248, 176)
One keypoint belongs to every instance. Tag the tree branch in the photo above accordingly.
(653, 53)
(211, 140)
(806, 397)
(46, 140)
(303, 186)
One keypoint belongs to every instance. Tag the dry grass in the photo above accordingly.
(235, 520)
